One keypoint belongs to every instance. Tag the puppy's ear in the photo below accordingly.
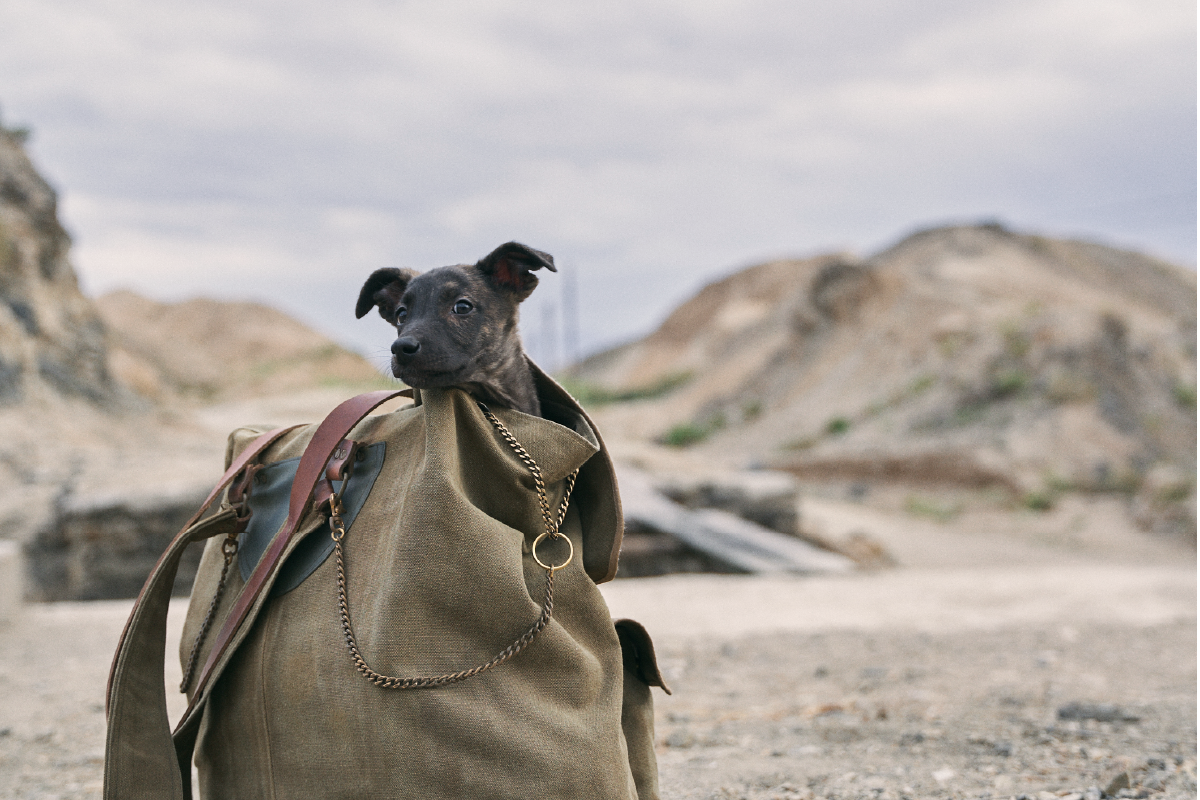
(384, 289)
(510, 268)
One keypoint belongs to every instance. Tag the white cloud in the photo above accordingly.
(215, 145)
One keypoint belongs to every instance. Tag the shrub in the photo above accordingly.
(685, 434)
(1039, 501)
(590, 394)
(837, 426)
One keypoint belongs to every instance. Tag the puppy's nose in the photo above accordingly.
(405, 346)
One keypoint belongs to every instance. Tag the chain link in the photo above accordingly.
(229, 548)
(338, 532)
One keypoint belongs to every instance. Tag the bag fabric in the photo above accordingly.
(440, 577)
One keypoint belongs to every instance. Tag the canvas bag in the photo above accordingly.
(440, 577)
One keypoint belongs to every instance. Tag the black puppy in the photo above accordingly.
(457, 326)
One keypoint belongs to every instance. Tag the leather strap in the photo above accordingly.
(245, 457)
(339, 465)
(312, 468)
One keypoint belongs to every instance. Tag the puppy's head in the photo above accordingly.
(456, 325)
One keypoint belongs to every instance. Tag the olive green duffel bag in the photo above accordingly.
(398, 605)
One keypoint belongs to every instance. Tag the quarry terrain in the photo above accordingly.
(994, 431)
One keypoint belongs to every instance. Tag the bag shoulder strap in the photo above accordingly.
(329, 435)
(236, 466)
(141, 759)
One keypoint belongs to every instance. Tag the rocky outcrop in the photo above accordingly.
(104, 449)
(51, 338)
(103, 548)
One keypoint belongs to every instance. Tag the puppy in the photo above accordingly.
(457, 326)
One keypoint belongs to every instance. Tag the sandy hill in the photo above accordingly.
(210, 350)
(969, 356)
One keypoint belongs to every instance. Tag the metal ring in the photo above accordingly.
(570, 556)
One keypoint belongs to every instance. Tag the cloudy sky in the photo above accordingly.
(283, 150)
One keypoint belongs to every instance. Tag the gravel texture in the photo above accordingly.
(1048, 701)
(1040, 711)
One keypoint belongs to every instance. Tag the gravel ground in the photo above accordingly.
(1049, 710)
(821, 696)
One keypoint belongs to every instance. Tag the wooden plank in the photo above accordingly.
(738, 543)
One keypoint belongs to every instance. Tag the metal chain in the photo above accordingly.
(390, 682)
(229, 547)
(338, 532)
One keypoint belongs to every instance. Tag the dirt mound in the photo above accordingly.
(210, 350)
(966, 355)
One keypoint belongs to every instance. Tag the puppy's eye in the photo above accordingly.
(401, 314)
(463, 307)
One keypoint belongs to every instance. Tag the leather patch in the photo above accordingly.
(269, 506)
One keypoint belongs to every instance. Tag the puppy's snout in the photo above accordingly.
(405, 346)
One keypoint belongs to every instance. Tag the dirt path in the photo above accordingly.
(934, 683)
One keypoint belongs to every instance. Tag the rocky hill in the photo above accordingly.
(967, 356)
(113, 414)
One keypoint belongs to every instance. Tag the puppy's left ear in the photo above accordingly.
(510, 268)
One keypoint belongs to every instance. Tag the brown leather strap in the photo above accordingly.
(339, 465)
(312, 468)
(245, 457)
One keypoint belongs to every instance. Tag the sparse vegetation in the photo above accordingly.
(1185, 395)
(932, 508)
(20, 133)
(690, 433)
(969, 413)
(752, 410)
(8, 250)
(685, 434)
(1174, 493)
(1016, 340)
(590, 394)
(837, 426)
(1067, 386)
(921, 384)
(951, 343)
(1039, 500)
(1008, 382)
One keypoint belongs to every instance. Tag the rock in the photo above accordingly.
(1100, 712)
(1122, 781)
(105, 547)
(1166, 501)
(865, 551)
(942, 775)
(51, 338)
(10, 580)
(768, 498)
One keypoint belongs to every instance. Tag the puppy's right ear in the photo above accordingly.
(383, 289)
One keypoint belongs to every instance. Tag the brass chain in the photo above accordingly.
(338, 532)
(229, 548)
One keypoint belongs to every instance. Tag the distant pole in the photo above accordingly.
(549, 336)
(570, 317)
